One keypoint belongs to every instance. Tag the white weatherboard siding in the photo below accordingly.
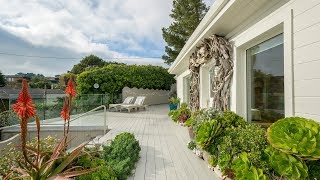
(306, 27)
(249, 22)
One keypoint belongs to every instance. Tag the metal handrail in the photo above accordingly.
(79, 116)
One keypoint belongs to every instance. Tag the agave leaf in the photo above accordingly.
(77, 173)
(68, 160)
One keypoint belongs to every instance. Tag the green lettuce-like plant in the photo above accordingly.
(244, 170)
(206, 133)
(286, 165)
(297, 136)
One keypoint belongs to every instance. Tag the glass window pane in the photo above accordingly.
(265, 70)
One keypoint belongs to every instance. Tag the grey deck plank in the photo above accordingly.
(150, 171)
(164, 154)
(159, 159)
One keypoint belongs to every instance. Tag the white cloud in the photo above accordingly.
(86, 26)
(64, 28)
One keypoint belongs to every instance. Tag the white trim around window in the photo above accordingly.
(242, 43)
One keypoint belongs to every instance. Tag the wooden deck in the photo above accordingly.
(164, 153)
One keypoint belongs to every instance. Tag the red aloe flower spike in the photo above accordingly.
(71, 89)
(25, 110)
(65, 111)
(24, 106)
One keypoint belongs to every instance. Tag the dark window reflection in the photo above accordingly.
(266, 81)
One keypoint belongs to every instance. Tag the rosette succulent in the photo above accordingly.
(206, 133)
(286, 165)
(243, 169)
(297, 136)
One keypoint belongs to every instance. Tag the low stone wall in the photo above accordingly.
(153, 96)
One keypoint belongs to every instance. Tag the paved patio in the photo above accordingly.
(164, 153)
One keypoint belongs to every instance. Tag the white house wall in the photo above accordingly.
(299, 20)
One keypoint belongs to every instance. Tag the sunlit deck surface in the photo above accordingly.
(164, 153)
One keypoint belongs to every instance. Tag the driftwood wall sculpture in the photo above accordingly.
(219, 50)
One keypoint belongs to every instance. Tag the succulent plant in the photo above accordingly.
(297, 136)
(313, 169)
(206, 133)
(243, 169)
(286, 165)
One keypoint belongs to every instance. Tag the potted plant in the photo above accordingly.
(173, 103)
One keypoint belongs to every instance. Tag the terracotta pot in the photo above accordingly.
(191, 133)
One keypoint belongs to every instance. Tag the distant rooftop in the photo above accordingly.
(6, 91)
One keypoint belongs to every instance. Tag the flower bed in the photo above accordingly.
(48, 158)
(289, 149)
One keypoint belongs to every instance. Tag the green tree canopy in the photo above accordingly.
(186, 15)
(39, 81)
(2, 80)
(114, 77)
(89, 62)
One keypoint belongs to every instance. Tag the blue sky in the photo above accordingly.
(122, 29)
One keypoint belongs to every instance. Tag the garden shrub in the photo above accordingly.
(102, 170)
(192, 145)
(203, 116)
(244, 169)
(122, 154)
(233, 141)
(206, 133)
(229, 119)
(297, 136)
(11, 156)
(114, 77)
(286, 165)
(180, 115)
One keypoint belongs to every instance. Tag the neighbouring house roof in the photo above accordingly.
(5, 92)
(224, 18)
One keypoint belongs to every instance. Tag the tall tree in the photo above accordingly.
(186, 15)
(39, 81)
(2, 80)
(87, 62)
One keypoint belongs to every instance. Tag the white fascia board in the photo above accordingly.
(211, 14)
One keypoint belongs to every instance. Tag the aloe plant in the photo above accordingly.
(286, 165)
(206, 133)
(243, 169)
(297, 136)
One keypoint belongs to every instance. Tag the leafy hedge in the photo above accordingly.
(114, 77)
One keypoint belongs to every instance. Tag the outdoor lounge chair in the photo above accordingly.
(127, 101)
(137, 104)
